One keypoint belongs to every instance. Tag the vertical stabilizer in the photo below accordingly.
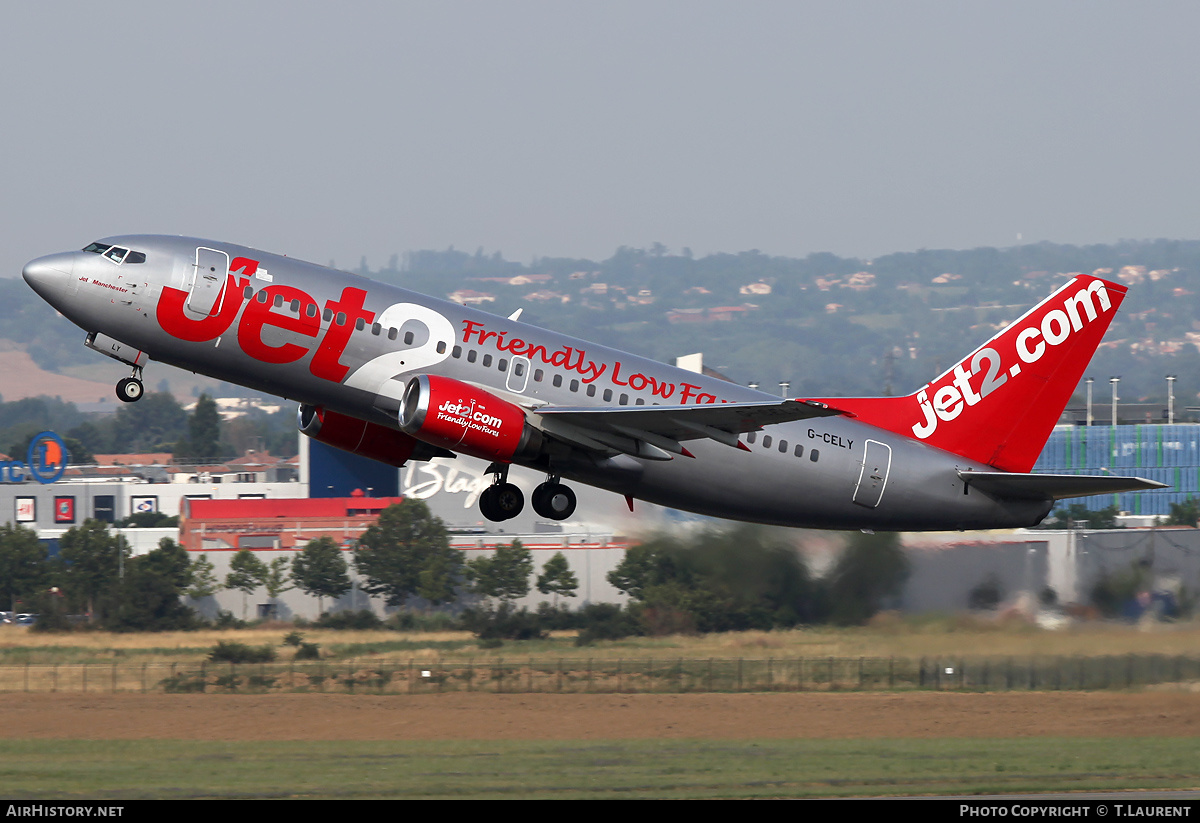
(998, 405)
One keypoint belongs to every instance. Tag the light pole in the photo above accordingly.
(1089, 382)
(784, 385)
(1114, 381)
(1170, 399)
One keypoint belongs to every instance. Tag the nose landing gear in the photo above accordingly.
(130, 389)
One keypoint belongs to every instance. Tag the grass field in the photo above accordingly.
(685, 769)
(107, 766)
(886, 637)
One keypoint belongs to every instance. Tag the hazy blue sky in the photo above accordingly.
(331, 131)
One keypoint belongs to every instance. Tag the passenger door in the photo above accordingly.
(208, 281)
(872, 479)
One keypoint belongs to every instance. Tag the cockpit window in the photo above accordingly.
(116, 254)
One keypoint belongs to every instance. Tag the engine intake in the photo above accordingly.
(466, 419)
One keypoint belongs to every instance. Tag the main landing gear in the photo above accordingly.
(503, 500)
(130, 389)
(553, 500)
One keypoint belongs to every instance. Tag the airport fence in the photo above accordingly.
(608, 676)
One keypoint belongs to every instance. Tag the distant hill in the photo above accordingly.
(20, 377)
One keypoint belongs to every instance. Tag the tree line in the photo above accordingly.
(156, 423)
(717, 580)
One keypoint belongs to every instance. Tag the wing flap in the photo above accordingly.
(665, 427)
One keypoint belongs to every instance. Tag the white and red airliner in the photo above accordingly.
(398, 376)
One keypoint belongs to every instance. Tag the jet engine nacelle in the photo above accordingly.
(466, 419)
(360, 437)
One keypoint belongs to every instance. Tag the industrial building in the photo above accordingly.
(275, 507)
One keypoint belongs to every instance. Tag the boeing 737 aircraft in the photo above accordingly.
(397, 376)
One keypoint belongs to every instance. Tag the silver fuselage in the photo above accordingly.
(294, 346)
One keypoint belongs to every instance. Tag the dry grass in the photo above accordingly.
(887, 637)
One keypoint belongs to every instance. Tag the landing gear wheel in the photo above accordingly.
(554, 501)
(502, 501)
(487, 505)
(130, 389)
(509, 500)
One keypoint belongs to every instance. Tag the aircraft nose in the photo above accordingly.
(49, 275)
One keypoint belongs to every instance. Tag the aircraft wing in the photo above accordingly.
(657, 432)
(1055, 486)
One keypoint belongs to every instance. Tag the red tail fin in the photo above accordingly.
(1000, 403)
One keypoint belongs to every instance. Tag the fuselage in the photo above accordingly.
(340, 341)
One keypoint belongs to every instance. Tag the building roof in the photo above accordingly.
(303, 507)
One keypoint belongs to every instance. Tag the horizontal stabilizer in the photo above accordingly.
(1054, 486)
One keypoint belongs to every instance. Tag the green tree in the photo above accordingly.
(92, 561)
(1079, 516)
(24, 568)
(406, 541)
(439, 579)
(204, 432)
(246, 573)
(320, 571)
(202, 579)
(277, 579)
(870, 571)
(150, 591)
(718, 580)
(503, 576)
(153, 423)
(557, 578)
(1186, 513)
